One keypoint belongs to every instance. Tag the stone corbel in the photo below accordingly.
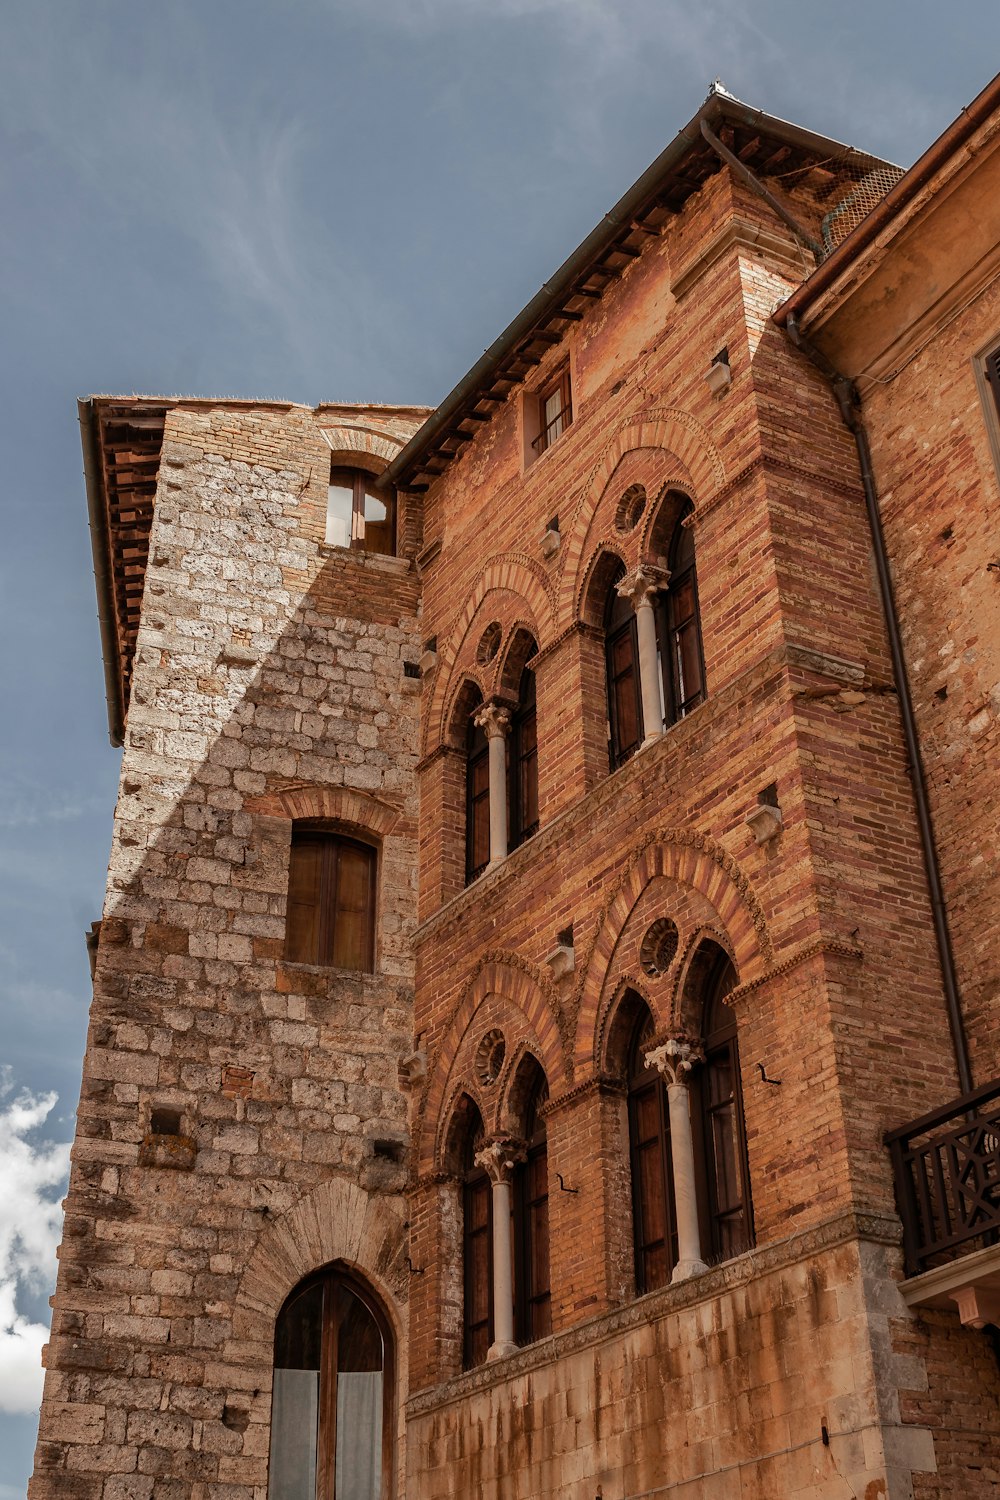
(764, 821)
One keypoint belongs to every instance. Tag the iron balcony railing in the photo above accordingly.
(947, 1171)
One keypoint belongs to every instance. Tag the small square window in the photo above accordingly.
(359, 514)
(551, 414)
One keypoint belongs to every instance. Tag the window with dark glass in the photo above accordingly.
(679, 623)
(720, 1133)
(477, 801)
(331, 1419)
(331, 900)
(621, 651)
(477, 1241)
(653, 1223)
(992, 367)
(532, 1292)
(555, 412)
(522, 765)
(358, 513)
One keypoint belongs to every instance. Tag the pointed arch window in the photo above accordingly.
(727, 1214)
(679, 625)
(654, 1230)
(522, 764)
(532, 1290)
(477, 800)
(331, 1403)
(621, 654)
(477, 1247)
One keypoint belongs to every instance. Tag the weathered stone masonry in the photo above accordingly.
(320, 1113)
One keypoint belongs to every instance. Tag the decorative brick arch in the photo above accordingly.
(337, 1221)
(363, 440)
(690, 859)
(512, 573)
(700, 472)
(337, 804)
(521, 986)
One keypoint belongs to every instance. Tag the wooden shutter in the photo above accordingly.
(351, 944)
(302, 932)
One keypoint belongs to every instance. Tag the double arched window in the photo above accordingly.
(716, 1107)
(528, 1294)
(518, 787)
(331, 1403)
(680, 672)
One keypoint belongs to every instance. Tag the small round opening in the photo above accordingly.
(489, 1056)
(659, 947)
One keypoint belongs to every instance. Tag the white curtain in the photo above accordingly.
(359, 1435)
(294, 1417)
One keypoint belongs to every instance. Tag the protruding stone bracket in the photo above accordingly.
(764, 822)
(561, 961)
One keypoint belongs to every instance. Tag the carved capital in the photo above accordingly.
(499, 1156)
(675, 1058)
(493, 718)
(639, 586)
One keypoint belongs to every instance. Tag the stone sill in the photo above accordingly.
(970, 1284)
(381, 562)
(761, 1261)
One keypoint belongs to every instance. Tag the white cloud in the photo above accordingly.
(30, 1217)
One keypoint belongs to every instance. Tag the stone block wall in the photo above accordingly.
(268, 686)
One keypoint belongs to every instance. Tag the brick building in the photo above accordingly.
(544, 1037)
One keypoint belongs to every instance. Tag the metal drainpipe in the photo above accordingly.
(849, 402)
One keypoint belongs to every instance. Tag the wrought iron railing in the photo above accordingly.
(947, 1171)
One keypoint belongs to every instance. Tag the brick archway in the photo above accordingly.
(522, 988)
(359, 439)
(510, 573)
(698, 469)
(691, 860)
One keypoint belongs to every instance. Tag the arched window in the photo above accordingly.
(654, 1229)
(679, 625)
(522, 764)
(532, 1293)
(477, 800)
(720, 1132)
(331, 900)
(358, 513)
(621, 654)
(331, 1405)
(477, 1245)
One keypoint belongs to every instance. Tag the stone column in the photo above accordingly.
(674, 1061)
(639, 588)
(499, 1157)
(496, 722)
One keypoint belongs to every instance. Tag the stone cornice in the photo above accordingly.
(602, 1084)
(841, 1229)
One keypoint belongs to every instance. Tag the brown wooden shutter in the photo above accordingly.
(352, 906)
(302, 932)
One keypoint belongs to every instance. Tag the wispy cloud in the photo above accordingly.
(30, 1172)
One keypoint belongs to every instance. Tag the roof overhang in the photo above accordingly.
(766, 145)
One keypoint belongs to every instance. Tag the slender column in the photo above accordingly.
(496, 722)
(639, 588)
(499, 1157)
(674, 1061)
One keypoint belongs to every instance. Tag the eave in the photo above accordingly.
(766, 145)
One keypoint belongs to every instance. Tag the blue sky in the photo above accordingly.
(317, 200)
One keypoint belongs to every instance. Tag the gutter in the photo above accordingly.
(849, 402)
(100, 546)
(923, 169)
